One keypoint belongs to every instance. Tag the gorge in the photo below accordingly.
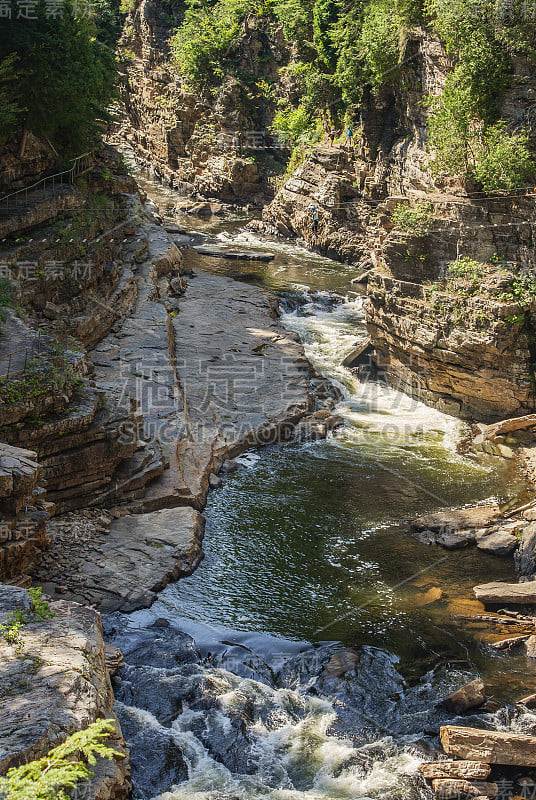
(267, 493)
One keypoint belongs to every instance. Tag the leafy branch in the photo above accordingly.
(48, 777)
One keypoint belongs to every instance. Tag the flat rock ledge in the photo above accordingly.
(212, 378)
(54, 683)
(496, 593)
(134, 557)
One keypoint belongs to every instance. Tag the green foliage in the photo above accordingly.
(454, 129)
(11, 630)
(465, 276)
(296, 17)
(16, 620)
(523, 291)
(340, 51)
(40, 608)
(48, 373)
(62, 768)
(5, 292)
(9, 107)
(65, 78)
(295, 122)
(203, 46)
(504, 160)
(468, 28)
(467, 143)
(413, 219)
(379, 40)
(325, 13)
(465, 148)
(5, 299)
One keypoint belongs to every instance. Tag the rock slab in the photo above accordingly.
(54, 683)
(466, 770)
(492, 747)
(496, 592)
(139, 557)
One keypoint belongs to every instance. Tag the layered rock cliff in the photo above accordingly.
(200, 143)
(469, 353)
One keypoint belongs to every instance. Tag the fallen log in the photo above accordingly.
(491, 747)
(518, 510)
(529, 701)
(466, 770)
(524, 623)
(509, 425)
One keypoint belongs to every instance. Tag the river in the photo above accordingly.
(309, 557)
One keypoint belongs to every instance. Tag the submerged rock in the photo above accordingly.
(233, 255)
(469, 696)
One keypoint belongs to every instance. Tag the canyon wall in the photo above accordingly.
(204, 144)
(469, 353)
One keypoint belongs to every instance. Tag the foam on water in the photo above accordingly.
(373, 410)
(293, 750)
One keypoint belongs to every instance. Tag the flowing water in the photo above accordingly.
(309, 558)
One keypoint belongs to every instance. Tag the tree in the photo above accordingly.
(10, 110)
(65, 78)
(379, 41)
(325, 15)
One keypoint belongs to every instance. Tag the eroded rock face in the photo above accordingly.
(470, 357)
(18, 170)
(329, 179)
(54, 683)
(467, 365)
(199, 142)
(24, 511)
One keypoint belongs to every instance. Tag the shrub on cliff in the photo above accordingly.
(5, 300)
(62, 768)
(413, 219)
(464, 147)
(504, 160)
(467, 140)
(379, 42)
(203, 46)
